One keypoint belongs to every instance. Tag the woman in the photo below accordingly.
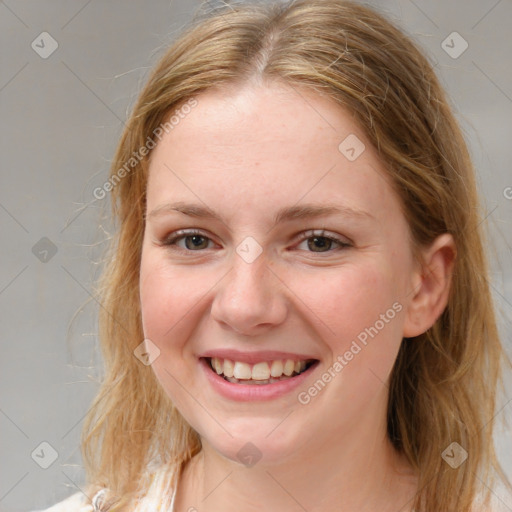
(296, 312)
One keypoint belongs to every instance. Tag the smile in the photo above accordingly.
(265, 372)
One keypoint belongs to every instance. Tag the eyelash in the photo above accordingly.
(181, 234)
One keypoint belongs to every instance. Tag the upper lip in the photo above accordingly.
(255, 357)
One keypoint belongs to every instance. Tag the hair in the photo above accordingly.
(444, 382)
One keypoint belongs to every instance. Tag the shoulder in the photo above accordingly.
(159, 496)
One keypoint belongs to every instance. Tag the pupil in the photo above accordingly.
(321, 244)
(195, 239)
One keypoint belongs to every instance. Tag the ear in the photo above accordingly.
(431, 282)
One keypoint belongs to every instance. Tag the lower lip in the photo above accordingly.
(249, 392)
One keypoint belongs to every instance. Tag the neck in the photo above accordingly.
(359, 472)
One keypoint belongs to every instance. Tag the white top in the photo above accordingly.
(153, 501)
(157, 499)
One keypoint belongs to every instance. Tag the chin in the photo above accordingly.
(255, 444)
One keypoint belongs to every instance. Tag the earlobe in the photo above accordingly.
(432, 286)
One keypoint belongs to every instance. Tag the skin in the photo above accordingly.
(245, 153)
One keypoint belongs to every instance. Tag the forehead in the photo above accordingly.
(267, 145)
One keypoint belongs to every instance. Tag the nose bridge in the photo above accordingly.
(248, 295)
(248, 281)
(252, 272)
(249, 268)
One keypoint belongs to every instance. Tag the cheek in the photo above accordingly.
(358, 311)
(167, 308)
(168, 297)
(363, 309)
(349, 299)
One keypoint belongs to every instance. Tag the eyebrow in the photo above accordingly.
(289, 213)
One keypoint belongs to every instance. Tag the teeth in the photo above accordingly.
(257, 382)
(259, 373)
(228, 368)
(289, 366)
(277, 369)
(242, 370)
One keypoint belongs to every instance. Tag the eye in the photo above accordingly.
(319, 240)
(195, 241)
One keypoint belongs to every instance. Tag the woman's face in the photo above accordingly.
(257, 286)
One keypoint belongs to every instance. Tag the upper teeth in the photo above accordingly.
(258, 371)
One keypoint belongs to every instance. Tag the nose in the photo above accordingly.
(250, 298)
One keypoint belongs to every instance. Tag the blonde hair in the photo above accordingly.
(443, 385)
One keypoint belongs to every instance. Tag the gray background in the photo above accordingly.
(61, 118)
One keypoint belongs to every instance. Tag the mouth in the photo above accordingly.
(261, 373)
